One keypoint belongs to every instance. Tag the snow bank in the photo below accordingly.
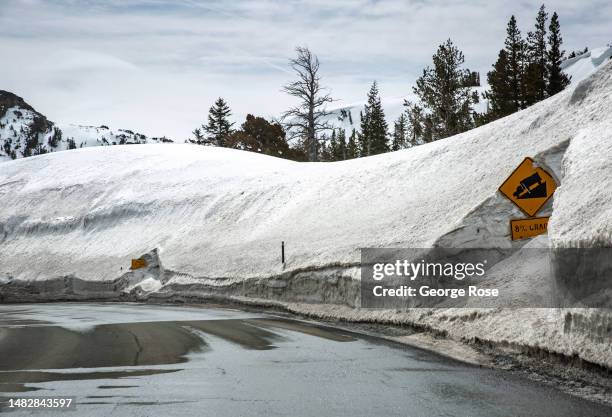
(222, 213)
(582, 208)
(215, 218)
(582, 66)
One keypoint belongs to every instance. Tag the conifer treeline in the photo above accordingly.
(527, 70)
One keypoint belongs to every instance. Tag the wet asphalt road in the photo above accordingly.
(145, 360)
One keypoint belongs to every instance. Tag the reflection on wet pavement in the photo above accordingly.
(130, 344)
(241, 332)
(138, 344)
(14, 381)
(37, 347)
(309, 329)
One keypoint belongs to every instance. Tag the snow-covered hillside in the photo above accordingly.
(26, 132)
(210, 221)
(89, 211)
(580, 67)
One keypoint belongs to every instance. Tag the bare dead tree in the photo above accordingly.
(307, 119)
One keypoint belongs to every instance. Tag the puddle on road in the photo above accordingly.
(427, 370)
(17, 317)
(14, 381)
(305, 328)
(131, 344)
(238, 331)
(20, 322)
(25, 351)
(6, 387)
(138, 344)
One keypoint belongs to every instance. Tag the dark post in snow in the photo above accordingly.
(283, 252)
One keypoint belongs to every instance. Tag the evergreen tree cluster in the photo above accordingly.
(257, 134)
(527, 70)
(445, 98)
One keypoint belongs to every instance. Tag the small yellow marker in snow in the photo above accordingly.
(138, 263)
(529, 187)
(525, 228)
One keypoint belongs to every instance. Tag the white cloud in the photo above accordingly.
(157, 65)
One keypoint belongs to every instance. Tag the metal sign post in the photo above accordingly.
(283, 252)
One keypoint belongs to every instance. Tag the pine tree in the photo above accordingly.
(218, 127)
(198, 137)
(352, 150)
(514, 47)
(374, 125)
(535, 76)
(428, 129)
(399, 133)
(333, 147)
(363, 147)
(573, 54)
(338, 145)
(55, 138)
(501, 100)
(557, 80)
(444, 94)
(414, 124)
(324, 149)
(339, 153)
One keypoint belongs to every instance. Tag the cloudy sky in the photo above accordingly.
(156, 66)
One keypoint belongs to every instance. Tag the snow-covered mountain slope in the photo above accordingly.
(26, 132)
(348, 116)
(23, 130)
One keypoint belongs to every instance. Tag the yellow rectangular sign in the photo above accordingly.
(526, 228)
(138, 263)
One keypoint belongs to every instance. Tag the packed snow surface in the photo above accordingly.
(217, 217)
(582, 66)
(215, 212)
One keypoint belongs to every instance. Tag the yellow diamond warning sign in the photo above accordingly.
(529, 187)
(524, 228)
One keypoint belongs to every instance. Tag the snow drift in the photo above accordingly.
(211, 220)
